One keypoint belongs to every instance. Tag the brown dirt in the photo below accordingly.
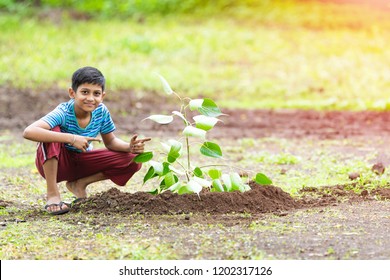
(260, 199)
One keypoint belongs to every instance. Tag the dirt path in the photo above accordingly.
(18, 108)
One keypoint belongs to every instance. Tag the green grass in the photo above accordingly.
(276, 54)
(16, 155)
(18, 242)
(296, 163)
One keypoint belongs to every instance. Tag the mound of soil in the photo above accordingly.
(260, 199)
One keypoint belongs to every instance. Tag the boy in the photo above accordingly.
(64, 150)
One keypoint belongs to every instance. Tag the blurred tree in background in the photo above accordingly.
(242, 53)
(126, 8)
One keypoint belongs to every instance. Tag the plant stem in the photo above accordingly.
(184, 112)
(178, 96)
(188, 153)
(186, 172)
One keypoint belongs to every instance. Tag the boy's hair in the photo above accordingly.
(88, 75)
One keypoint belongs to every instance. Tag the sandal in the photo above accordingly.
(58, 212)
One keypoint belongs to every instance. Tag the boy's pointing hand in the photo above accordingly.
(81, 142)
(137, 146)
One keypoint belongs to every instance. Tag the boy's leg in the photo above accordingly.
(50, 168)
(82, 169)
(100, 165)
(55, 164)
(49, 155)
(79, 186)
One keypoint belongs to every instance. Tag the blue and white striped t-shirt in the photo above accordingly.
(64, 117)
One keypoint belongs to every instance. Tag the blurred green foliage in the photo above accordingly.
(125, 8)
(129, 7)
(242, 53)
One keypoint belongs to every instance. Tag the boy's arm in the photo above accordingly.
(40, 131)
(136, 146)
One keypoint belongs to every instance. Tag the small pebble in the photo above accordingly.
(378, 168)
(353, 175)
(364, 193)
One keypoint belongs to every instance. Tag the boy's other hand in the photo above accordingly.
(138, 146)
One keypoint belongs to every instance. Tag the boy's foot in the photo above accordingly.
(57, 208)
(77, 189)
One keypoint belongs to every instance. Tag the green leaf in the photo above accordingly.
(144, 157)
(228, 183)
(201, 181)
(206, 107)
(169, 180)
(150, 174)
(217, 185)
(165, 84)
(166, 168)
(205, 122)
(237, 184)
(194, 186)
(165, 147)
(209, 108)
(195, 104)
(180, 115)
(157, 166)
(175, 187)
(195, 132)
(215, 173)
(198, 172)
(211, 149)
(174, 151)
(184, 189)
(262, 179)
(161, 119)
(154, 192)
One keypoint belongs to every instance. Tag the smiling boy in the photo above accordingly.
(64, 139)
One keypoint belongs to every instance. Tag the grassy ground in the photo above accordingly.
(290, 164)
(277, 54)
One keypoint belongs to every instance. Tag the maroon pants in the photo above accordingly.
(116, 166)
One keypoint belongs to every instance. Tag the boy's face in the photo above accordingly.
(87, 97)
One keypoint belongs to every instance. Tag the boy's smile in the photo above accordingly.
(87, 98)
